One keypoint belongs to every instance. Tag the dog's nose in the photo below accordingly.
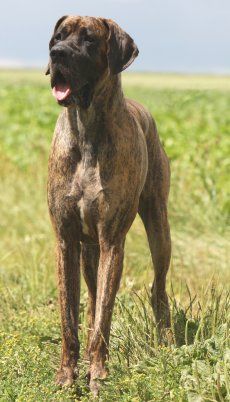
(58, 52)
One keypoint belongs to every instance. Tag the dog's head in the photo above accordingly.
(82, 51)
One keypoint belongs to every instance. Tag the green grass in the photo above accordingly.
(192, 115)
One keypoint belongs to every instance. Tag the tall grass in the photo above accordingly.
(194, 127)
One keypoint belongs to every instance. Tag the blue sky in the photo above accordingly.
(172, 35)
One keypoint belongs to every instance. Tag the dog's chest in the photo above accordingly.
(86, 191)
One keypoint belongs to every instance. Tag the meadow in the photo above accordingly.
(192, 115)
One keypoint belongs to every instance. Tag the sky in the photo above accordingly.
(188, 36)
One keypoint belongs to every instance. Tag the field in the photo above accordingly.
(192, 115)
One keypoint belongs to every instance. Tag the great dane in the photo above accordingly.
(106, 165)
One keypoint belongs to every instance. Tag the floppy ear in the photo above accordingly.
(47, 70)
(122, 50)
(58, 23)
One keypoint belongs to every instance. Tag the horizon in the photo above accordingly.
(12, 68)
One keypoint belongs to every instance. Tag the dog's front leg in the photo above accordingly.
(108, 280)
(68, 253)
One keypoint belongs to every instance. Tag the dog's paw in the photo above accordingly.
(66, 376)
(96, 375)
(94, 387)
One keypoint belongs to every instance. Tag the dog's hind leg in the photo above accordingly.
(90, 259)
(153, 212)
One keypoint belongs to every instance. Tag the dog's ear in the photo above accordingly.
(58, 23)
(47, 70)
(122, 50)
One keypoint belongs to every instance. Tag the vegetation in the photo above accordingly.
(192, 115)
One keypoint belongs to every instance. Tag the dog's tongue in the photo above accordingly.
(61, 91)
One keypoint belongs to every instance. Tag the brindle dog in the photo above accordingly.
(106, 164)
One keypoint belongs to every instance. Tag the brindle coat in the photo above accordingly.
(106, 164)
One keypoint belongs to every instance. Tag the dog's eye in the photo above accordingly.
(90, 39)
(58, 36)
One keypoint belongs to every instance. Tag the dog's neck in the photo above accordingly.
(90, 124)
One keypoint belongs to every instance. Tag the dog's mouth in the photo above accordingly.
(66, 93)
(61, 89)
(61, 92)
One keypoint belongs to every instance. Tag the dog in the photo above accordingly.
(106, 165)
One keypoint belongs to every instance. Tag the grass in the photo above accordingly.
(192, 115)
